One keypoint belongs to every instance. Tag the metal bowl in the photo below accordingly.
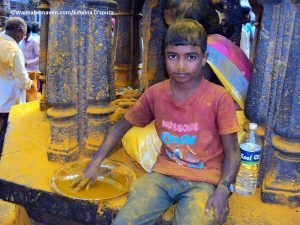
(114, 180)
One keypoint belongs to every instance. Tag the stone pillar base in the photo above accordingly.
(63, 156)
(282, 183)
(63, 143)
(123, 75)
(98, 125)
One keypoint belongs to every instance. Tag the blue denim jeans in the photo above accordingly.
(153, 193)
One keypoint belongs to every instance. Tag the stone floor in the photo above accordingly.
(245, 210)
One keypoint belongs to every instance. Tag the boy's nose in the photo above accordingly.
(180, 66)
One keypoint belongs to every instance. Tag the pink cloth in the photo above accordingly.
(229, 50)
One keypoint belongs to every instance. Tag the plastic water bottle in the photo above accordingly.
(250, 154)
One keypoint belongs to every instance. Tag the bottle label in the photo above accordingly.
(250, 153)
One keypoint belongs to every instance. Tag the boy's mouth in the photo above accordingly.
(181, 74)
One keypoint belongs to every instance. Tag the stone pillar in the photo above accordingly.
(137, 43)
(273, 98)
(259, 96)
(128, 46)
(62, 81)
(80, 82)
(44, 7)
(99, 74)
(282, 182)
(153, 33)
(123, 51)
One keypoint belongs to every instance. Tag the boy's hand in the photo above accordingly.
(82, 182)
(219, 202)
(88, 178)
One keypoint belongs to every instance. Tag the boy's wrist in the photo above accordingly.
(226, 185)
(223, 190)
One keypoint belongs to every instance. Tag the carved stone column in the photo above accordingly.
(100, 75)
(123, 51)
(44, 7)
(282, 181)
(138, 45)
(259, 96)
(273, 98)
(153, 33)
(62, 81)
(80, 82)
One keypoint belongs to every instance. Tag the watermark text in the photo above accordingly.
(73, 12)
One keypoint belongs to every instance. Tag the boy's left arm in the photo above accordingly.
(219, 199)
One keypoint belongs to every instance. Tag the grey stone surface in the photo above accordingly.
(273, 99)
(79, 65)
(153, 31)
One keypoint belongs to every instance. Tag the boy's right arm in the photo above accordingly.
(114, 135)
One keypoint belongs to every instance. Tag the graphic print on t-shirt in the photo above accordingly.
(179, 148)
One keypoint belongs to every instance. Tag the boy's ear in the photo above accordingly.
(204, 59)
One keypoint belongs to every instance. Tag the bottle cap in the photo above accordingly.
(252, 126)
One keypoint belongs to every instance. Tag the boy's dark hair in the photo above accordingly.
(186, 32)
(200, 10)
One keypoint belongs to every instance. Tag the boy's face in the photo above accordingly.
(184, 62)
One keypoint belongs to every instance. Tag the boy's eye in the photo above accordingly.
(191, 57)
(172, 56)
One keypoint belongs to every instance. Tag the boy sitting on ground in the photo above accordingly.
(197, 124)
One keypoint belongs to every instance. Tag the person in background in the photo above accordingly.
(200, 10)
(35, 31)
(196, 122)
(254, 34)
(13, 75)
(246, 34)
(30, 48)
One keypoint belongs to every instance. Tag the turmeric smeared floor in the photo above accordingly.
(250, 210)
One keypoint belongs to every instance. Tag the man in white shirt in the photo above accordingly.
(14, 79)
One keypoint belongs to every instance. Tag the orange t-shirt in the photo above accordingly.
(189, 129)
